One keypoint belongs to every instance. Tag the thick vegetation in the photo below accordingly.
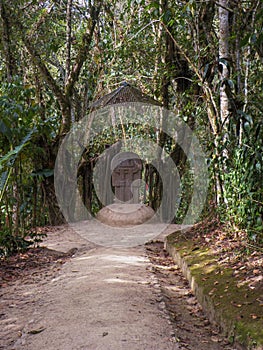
(201, 59)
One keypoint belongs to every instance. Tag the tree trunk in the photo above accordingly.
(68, 58)
(223, 52)
(64, 95)
(54, 213)
(6, 42)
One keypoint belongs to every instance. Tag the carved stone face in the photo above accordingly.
(126, 168)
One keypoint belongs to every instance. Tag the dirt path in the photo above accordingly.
(103, 298)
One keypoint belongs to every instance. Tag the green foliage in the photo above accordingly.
(243, 183)
(187, 183)
(18, 193)
(10, 244)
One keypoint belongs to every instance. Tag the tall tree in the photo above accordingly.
(29, 22)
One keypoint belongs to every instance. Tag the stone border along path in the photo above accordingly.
(102, 299)
(218, 304)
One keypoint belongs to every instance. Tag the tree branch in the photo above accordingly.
(6, 42)
(35, 57)
(50, 81)
(41, 20)
(83, 51)
(69, 30)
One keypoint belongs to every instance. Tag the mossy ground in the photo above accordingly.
(236, 304)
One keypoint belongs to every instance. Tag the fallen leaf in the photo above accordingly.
(36, 331)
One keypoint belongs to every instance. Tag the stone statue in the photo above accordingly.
(126, 170)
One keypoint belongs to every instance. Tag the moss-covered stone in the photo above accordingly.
(234, 306)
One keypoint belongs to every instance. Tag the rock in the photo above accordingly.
(125, 214)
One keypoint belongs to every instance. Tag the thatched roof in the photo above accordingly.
(125, 93)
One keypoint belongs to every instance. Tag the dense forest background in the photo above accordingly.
(200, 59)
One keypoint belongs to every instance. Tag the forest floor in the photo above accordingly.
(226, 273)
(71, 294)
(233, 249)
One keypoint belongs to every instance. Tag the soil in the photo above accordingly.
(72, 294)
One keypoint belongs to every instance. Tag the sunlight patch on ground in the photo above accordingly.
(126, 259)
(119, 280)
